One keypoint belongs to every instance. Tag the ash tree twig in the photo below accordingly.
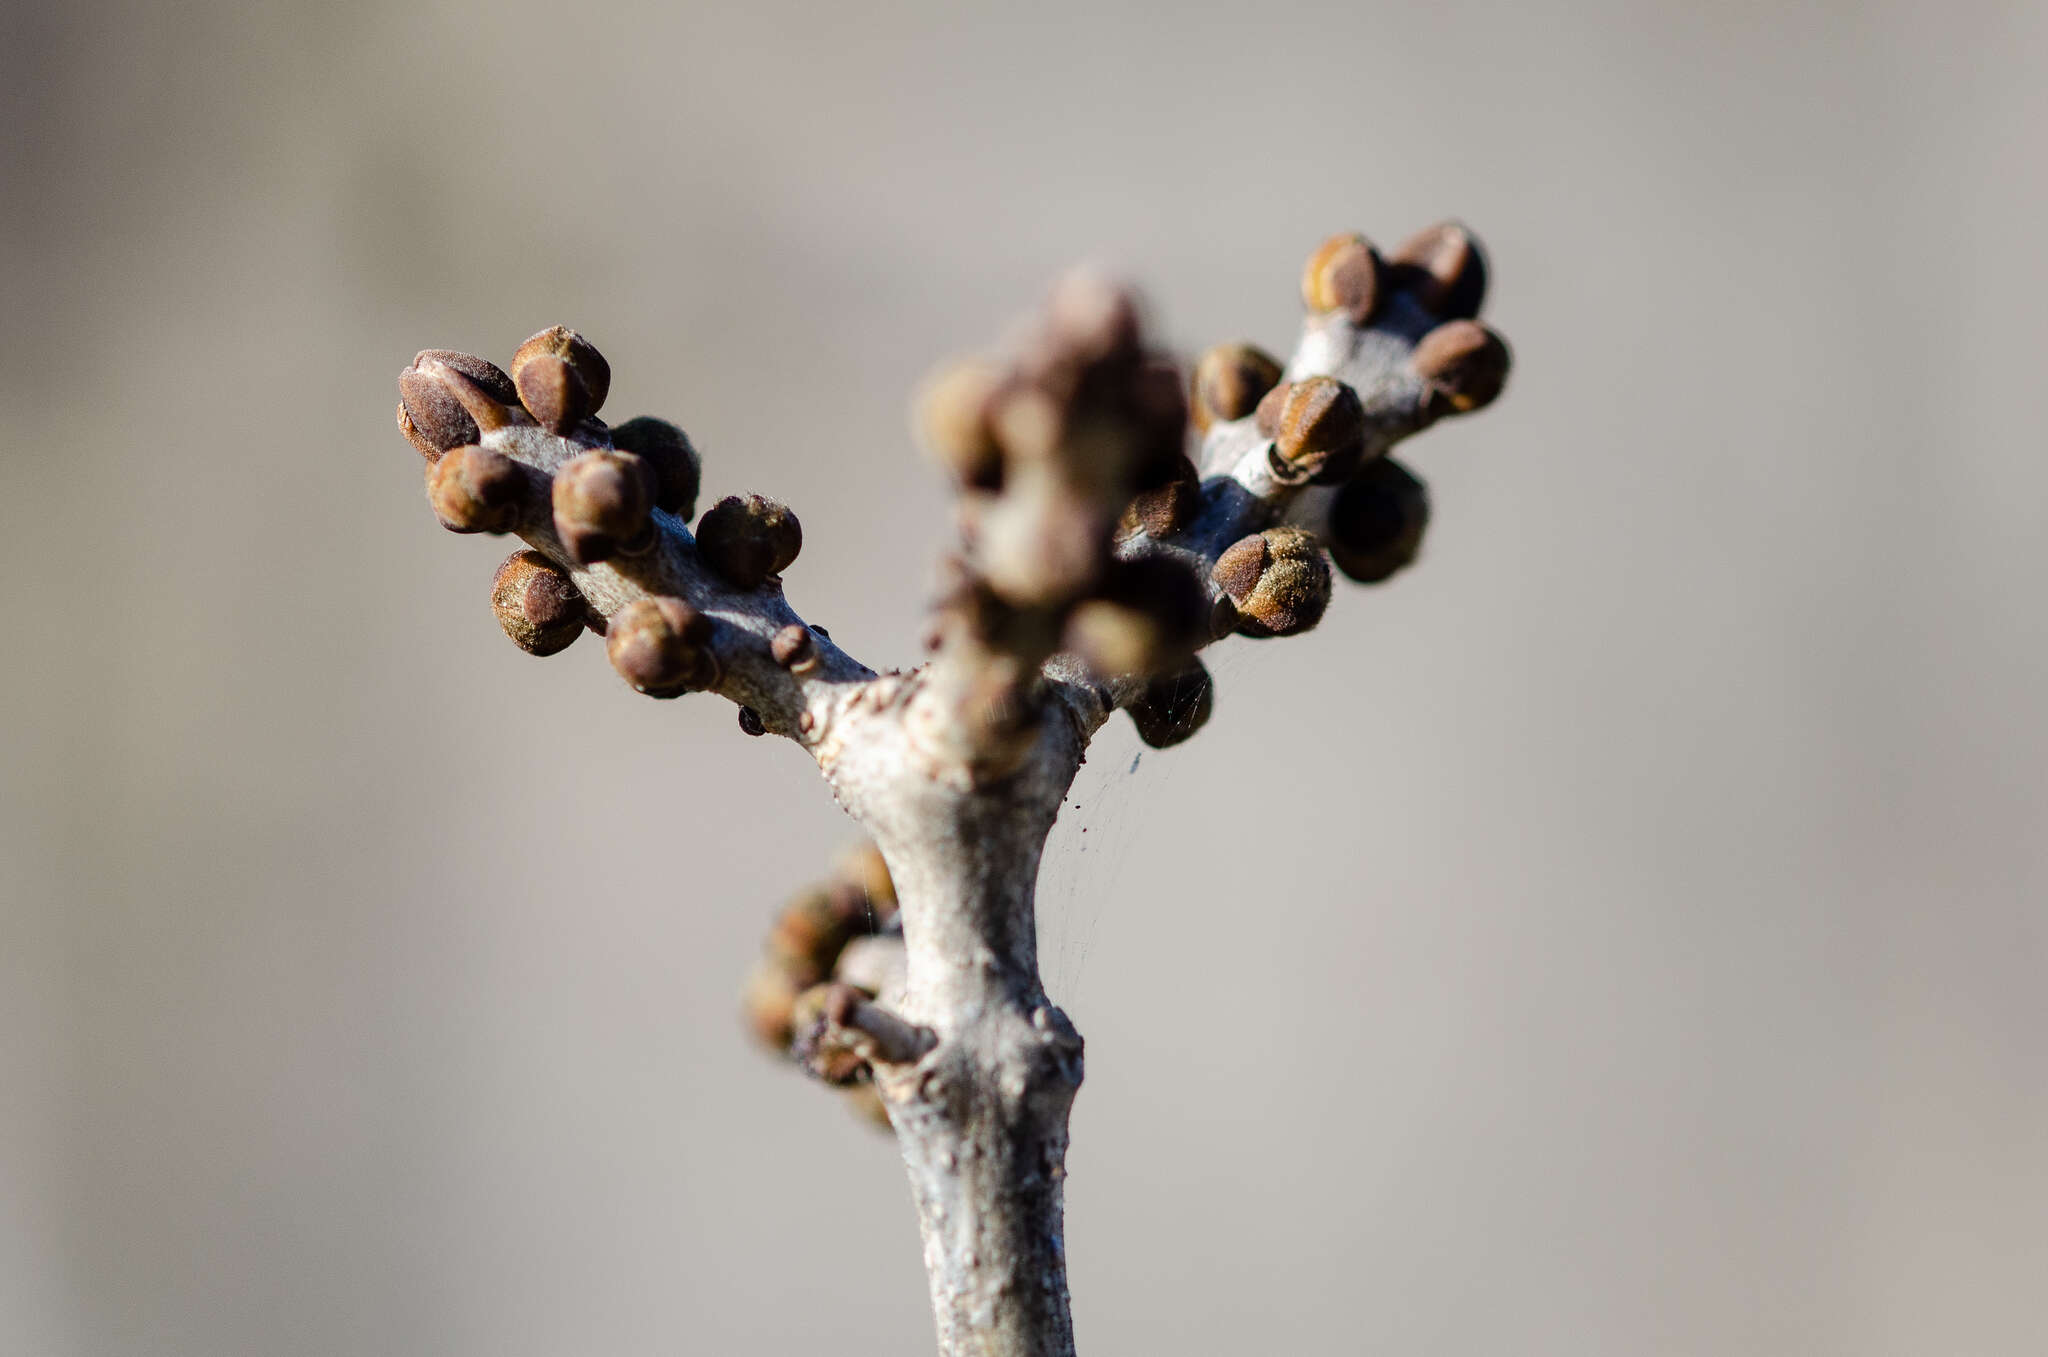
(1114, 520)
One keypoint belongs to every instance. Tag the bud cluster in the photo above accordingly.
(814, 948)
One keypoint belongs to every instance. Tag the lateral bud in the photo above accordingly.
(475, 489)
(448, 399)
(1343, 275)
(561, 378)
(1443, 268)
(1319, 433)
(1150, 613)
(1229, 381)
(671, 460)
(1278, 579)
(1465, 364)
(747, 538)
(662, 647)
(537, 604)
(600, 503)
(1377, 521)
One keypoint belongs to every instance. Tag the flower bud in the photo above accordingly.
(1229, 381)
(1319, 434)
(1343, 275)
(448, 399)
(1377, 521)
(561, 379)
(600, 502)
(748, 538)
(1278, 579)
(671, 461)
(1174, 706)
(1092, 318)
(1464, 363)
(1443, 268)
(536, 604)
(475, 489)
(662, 647)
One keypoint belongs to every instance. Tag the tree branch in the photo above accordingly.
(1096, 559)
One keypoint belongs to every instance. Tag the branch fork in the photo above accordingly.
(1115, 519)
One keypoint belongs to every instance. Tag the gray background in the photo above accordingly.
(1632, 942)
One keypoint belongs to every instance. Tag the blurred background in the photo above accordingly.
(1651, 959)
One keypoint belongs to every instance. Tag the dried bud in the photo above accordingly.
(769, 1005)
(1343, 275)
(670, 460)
(475, 489)
(955, 414)
(1278, 579)
(1443, 267)
(536, 604)
(662, 647)
(1163, 509)
(1151, 612)
(748, 538)
(600, 500)
(1377, 520)
(561, 378)
(448, 399)
(1464, 363)
(1319, 434)
(1174, 707)
(1229, 381)
(793, 649)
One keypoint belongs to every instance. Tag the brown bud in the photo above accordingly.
(1164, 509)
(662, 647)
(1174, 706)
(769, 1005)
(475, 489)
(793, 648)
(1266, 414)
(1464, 363)
(448, 399)
(1278, 579)
(1377, 521)
(536, 604)
(1229, 380)
(1343, 275)
(1319, 434)
(748, 538)
(670, 460)
(560, 378)
(600, 501)
(954, 411)
(1151, 612)
(1443, 267)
